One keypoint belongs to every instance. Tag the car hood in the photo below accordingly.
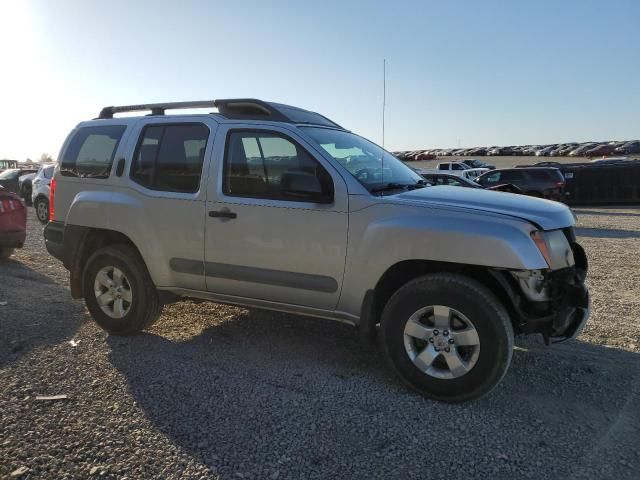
(545, 214)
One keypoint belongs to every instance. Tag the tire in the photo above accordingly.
(26, 197)
(42, 209)
(5, 253)
(467, 305)
(138, 305)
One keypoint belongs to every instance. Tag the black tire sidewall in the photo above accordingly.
(479, 306)
(134, 320)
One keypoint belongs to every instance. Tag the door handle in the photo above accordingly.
(222, 214)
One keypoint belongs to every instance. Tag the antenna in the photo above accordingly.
(384, 104)
(384, 94)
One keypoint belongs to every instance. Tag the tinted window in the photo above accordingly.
(169, 157)
(47, 172)
(511, 176)
(91, 150)
(493, 177)
(545, 175)
(256, 161)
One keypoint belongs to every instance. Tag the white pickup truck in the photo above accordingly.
(458, 168)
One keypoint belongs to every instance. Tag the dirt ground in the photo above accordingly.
(221, 392)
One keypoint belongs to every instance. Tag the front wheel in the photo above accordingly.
(119, 292)
(447, 337)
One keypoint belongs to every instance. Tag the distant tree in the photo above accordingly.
(28, 161)
(45, 158)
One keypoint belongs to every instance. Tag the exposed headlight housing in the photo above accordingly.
(554, 248)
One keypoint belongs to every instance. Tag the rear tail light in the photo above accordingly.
(52, 196)
(10, 205)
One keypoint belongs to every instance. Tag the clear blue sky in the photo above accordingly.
(475, 72)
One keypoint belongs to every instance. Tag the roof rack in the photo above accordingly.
(237, 108)
(156, 108)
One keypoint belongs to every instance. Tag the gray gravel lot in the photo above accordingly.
(216, 391)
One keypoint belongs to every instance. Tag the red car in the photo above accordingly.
(13, 223)
(600, 151)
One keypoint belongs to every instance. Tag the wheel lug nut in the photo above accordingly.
(447, 349)
(431, 340)
(437, 349)
(435, 332)
(451, 340)
(445, 333)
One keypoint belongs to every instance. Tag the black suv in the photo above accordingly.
(537, 182)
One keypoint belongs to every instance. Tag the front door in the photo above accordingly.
(262, 241)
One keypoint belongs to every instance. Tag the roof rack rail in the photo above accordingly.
(156, 108)
(236, 108)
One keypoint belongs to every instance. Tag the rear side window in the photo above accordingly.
(169, 157)
(511, 176)
(91, 150)
(545, 175)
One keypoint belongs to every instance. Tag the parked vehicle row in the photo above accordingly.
(572, 149)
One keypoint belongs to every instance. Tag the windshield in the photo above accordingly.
(372, 166)
(9, 174)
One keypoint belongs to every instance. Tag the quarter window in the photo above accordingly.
(255, 163)
(91, 150)
(170, 157)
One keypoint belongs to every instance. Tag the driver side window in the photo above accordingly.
(255, 162)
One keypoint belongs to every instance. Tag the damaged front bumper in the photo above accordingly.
(553, 303)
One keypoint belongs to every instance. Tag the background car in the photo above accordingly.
(24, 187)
(629, 147)
(545, 151)
(600, 150)
(40, 194)
(13, 223)
(534, 181)
(458, 181)
(9, 178)
(475, 163)
(579, 151)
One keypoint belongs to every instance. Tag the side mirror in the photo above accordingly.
(304, 186)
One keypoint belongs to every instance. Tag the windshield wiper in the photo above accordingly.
(399, 186)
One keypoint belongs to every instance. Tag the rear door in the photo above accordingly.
(168, 175)
(262, 243)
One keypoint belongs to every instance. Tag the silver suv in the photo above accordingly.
(270, 206)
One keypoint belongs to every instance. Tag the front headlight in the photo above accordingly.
(554, 247)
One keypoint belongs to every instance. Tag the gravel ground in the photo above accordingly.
(215, 391)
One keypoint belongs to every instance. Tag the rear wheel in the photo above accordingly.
(42, 209)
(447, 337)
(119, 292)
